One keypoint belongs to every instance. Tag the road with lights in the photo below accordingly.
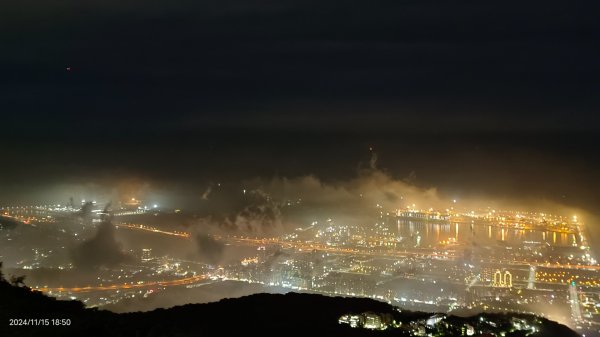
(125, 286)
(147, 228)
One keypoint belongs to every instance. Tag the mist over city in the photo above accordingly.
(430, 168)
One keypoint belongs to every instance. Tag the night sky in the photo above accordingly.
(475, 97)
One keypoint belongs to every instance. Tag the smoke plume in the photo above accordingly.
(102, 250)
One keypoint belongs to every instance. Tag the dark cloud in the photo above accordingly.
(85, 213)
(102, 250)
(211, 251)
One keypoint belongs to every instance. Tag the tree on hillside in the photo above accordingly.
(18, 281)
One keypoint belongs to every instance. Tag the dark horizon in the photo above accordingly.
(495, 98)
(558, 167)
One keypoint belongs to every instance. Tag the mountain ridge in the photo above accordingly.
(262, 314)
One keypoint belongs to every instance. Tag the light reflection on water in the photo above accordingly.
(431, 233)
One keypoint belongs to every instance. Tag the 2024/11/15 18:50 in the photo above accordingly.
(39, 322)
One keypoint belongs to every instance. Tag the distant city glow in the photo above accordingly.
(503, 260)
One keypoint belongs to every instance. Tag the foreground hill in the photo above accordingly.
(255, 315)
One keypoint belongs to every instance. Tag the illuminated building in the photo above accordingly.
(531, 280)
(468, 330)
(501, 280)
(146, 254)
(372, 321)
(423, 216)
(434, 320)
